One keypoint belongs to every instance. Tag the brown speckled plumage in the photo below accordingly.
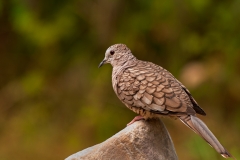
(151, 91)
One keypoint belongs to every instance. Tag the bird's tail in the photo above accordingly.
(199, 127)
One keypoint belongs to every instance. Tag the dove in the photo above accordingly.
(152, 92)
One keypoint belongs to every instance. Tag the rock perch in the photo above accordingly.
(143, 140)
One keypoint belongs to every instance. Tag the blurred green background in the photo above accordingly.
(54, 101)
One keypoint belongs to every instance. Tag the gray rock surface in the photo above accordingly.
(143, 140)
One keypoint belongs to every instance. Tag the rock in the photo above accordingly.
(142, 140)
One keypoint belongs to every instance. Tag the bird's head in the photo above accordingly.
(117, 55)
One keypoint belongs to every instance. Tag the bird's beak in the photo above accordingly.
(102, 63)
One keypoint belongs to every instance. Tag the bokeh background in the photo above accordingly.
(54, 101)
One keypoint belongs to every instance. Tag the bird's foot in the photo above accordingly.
(137, 118)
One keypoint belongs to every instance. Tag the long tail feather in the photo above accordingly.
(199, 127)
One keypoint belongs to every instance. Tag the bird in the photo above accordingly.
(153, 92)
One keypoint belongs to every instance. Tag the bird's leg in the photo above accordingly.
(137, 118)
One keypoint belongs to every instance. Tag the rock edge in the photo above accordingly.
(143, 140)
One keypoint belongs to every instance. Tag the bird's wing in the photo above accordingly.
(150, 87)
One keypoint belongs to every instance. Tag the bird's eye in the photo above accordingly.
(112, 52)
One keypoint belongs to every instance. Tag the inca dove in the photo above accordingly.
(151, 91)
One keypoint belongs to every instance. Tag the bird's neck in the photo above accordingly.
(118, 69)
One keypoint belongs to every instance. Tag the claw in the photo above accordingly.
(137, 118)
